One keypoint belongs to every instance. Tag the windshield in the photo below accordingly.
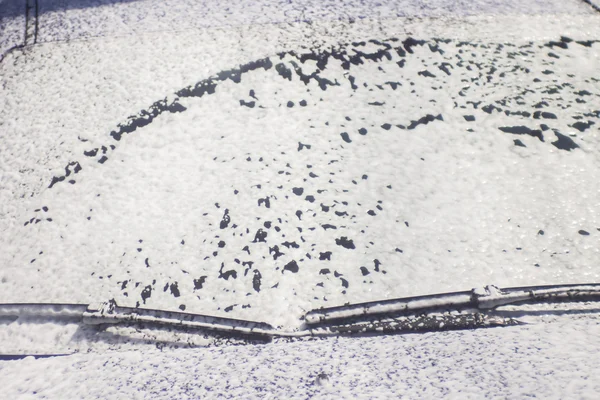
(274, 161)
(369, 170)
(303, 178)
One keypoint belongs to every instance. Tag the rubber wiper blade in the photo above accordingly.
(448, 311)
(481, 299)
(111, 313)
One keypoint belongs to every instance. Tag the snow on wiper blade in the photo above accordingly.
(485, 298)
(422, 323)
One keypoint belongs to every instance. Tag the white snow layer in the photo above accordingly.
(80, 19)
(475, 203)
(536, 360)
(176, 215)
(12, 25)
(56, 20)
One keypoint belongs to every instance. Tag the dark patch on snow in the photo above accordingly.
(425, 120)
(523, 130)
(146, 293)
(564, 142)
(410, 43)
(256, 280)
(76, 169)
(582, 126)
(426, 74)
(260, 236)
(377, 263)
(225, 220)
(227, 274)
(345, 242)
(275, 251)
(543, 114)
(302, 146)
(264, 201)
(174, 289)
(199, 282)
(292, 266)
(444, 67)
(249, 104)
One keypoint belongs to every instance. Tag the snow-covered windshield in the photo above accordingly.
(183, 173)
(372, 160)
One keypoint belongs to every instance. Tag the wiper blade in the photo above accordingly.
(481, 299)
(449, 311)
(110, 313)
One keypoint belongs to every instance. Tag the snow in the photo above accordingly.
(516, 362)
(60, 21)
(176, 215)
(458, 209)
(12, 25)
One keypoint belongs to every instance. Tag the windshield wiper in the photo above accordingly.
(485, 298)
(449, 311)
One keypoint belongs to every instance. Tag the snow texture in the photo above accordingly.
(61, 20)
(318, 182)
(12, 25)
(358, 157)
(517, 362)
